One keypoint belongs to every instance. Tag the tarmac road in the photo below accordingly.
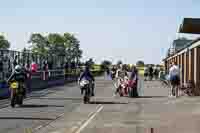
(60, 110)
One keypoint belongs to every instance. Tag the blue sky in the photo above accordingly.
(127, 30)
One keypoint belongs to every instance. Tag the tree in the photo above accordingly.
(105, 64)
(56, 44)
(140, 63)
(73, 51)
(39, 44)
(65, 46)
(4, 44)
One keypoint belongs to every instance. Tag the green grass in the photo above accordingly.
(96, 67)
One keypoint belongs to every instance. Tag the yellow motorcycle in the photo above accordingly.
(16, 90)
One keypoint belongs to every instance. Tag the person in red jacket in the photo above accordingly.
(34, 67)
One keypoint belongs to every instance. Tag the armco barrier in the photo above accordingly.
(40, 80)
(4, 91)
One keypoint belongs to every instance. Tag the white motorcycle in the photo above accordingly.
(85, 86)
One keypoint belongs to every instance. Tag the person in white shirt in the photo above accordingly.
(174, 75)
(120, 75)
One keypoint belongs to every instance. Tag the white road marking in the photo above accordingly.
(37, 128)
(174, 101)
(89, 120)
(47, 124)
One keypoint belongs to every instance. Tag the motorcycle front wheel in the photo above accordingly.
(86, 98)
(20, 100)
(13, 99)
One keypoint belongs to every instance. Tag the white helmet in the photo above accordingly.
(18, 68)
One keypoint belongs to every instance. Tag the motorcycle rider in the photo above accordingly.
(20, 76)
(86, 74)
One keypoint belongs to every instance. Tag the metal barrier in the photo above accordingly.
(41, 80)
(9, 58)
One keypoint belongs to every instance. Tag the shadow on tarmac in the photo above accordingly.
(39, 106)
(104, 102)
(25, 118)
(41, 98)
(152, 96)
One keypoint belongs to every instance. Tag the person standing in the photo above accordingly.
(150, 72)
(34, 67)
(45, 66)
(15, 62)
(120, 76)
(145, 73)
(156, 73)
(133, 82)
(108, 73)
(174, 75)
(113, 72)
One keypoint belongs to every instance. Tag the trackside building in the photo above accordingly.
(188, 58)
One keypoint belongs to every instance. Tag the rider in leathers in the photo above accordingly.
(87, 75)
(20, 76)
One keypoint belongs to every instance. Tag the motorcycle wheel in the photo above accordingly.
(13, 99)
(20, 100)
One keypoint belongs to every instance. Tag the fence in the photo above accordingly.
(56, 74)
(9, 58)
(41, 80)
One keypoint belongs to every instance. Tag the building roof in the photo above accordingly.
(185, 48)
(190, 25)
(180, 43)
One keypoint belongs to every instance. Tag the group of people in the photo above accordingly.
(120, 75)
(150, 73)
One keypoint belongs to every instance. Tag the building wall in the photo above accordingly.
(197, 70)
(189, 62)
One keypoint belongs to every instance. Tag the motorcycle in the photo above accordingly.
(16, 90)
(85, 86)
